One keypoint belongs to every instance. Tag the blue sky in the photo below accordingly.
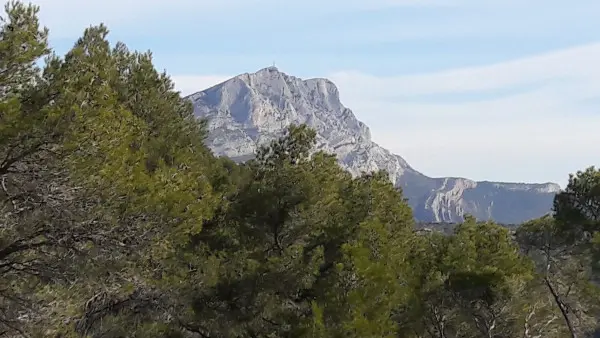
(489, 90)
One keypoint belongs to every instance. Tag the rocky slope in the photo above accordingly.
(250, 109)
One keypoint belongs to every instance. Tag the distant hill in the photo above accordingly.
(249, 109)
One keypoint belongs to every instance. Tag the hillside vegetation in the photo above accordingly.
(117, 221)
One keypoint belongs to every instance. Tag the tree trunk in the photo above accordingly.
(561, 307)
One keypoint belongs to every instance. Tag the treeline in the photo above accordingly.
(448, 228)
(117, 221)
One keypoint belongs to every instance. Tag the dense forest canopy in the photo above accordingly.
(117, 221)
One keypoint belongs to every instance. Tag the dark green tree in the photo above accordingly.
(37, 223)
(468, 284)
(563, 247)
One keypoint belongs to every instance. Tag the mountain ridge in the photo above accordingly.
(253, 108)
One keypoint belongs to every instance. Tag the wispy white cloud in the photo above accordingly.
(463, 19)
(67, 18)
(253, 24)
(574, 64)
(541, 134)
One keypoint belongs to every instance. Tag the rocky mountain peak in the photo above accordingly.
(264, 103)
(253, 108)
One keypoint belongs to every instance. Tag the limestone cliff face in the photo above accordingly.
(251, 109)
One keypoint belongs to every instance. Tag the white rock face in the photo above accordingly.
(251, 109)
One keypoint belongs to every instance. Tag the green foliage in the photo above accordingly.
(296, 231)
(580, 201)
(468, 284)
(33, 193)
(117, 221)
(564, 261)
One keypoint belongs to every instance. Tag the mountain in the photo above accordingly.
(250, 109)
